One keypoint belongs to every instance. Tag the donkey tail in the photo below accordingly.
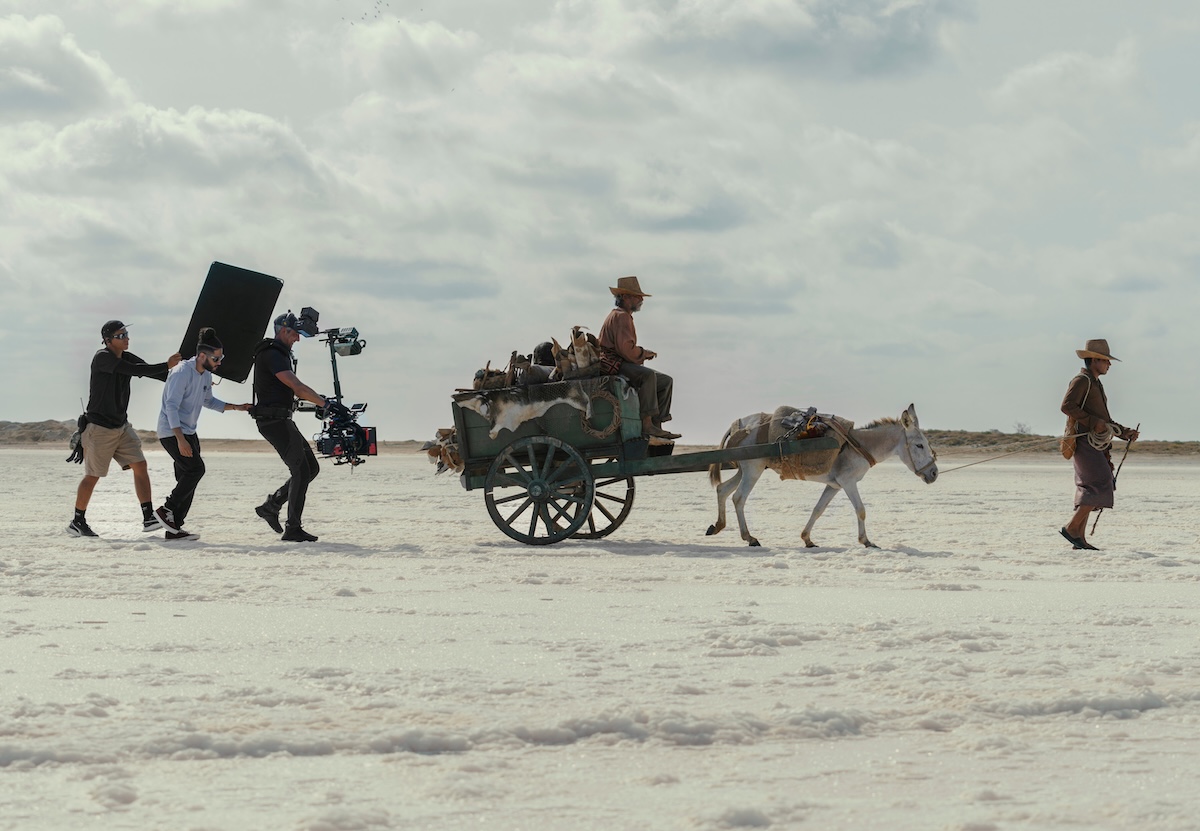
(714, 470)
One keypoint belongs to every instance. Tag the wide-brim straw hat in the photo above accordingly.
(627, 285)
(1096, 348)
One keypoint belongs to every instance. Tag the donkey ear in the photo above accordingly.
(908, 418)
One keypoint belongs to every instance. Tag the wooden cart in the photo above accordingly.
(567, 474)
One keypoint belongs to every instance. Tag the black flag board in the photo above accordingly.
(237, 303)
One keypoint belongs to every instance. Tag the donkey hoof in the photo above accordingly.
(809, 544)
(869, 544)
(754, 543)
(712, 529)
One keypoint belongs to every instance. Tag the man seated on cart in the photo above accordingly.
(620, 354)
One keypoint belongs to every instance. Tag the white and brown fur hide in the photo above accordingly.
(508, 409)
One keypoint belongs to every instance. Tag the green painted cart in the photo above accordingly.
(567, 468)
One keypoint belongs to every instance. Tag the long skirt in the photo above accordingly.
(1094, 482)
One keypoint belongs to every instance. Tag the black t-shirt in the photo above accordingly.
(108, 387)
(271, 356)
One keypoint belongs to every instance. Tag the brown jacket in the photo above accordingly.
(618, 334)
(1086, 405)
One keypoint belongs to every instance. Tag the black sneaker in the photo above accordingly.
(270, 516)
(166, 518)
(297, 535)
(152, 524)
(182, 535)
(80, 528)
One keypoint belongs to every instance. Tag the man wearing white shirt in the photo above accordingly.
(188, 389)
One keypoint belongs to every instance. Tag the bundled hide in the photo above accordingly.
(579, 360)
(443, 451)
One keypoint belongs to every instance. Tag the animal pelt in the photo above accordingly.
(508, 409)
(443, 451)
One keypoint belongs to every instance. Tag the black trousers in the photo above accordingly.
(188, 473)
(301, 463)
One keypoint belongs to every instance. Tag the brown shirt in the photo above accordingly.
(1087, 405)
(618, 334)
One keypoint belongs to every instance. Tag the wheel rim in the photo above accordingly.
(612, 503)
(546, 490)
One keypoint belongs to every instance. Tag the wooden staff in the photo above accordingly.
(1115, 475)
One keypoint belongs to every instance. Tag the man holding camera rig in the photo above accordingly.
(275, 389)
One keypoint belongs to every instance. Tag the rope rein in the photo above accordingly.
(1021, 450)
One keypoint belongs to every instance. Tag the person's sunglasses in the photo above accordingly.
(214, 358)
(121, 336)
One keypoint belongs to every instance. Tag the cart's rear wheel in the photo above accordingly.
(613, 502)
(547, 490)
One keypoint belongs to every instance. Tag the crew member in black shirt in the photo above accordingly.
(108, 435)
(275, 388)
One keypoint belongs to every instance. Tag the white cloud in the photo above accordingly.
(200, 148)
(405, 56)
(45, 75)
(1071, 81)
(845, 39)
(1184, 156)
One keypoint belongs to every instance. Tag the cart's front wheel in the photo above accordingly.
(547, 490)
(613, 502)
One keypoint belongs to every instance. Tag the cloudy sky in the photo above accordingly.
(851, 204)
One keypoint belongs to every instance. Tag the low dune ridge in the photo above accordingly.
(946, 442)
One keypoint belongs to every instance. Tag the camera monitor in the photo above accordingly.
(238, 303)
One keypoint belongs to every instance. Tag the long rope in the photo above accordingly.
(1011, 453)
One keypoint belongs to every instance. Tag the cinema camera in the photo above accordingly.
(341, 438)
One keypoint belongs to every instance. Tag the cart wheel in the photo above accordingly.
(613, 502)
(553, 492)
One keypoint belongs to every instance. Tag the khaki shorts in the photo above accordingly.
(102, 445)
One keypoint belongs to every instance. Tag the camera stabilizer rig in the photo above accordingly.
(341, 438)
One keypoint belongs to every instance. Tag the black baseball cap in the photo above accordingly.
(111, 328)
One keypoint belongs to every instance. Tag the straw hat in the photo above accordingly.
(627, 285)
(1096, 348)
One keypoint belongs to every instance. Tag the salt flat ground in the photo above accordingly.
(417, 669)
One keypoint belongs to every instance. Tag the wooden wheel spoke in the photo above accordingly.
(505, 500)
(596, 506)
(544, 512)
(517, 513)
(548, 462)
(620, 500)
(563, 470)
(523, 475)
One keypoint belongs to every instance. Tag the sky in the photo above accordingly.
(851, 205)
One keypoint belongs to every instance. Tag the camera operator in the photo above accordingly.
(275, 387)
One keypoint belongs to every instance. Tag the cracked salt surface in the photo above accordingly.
(417, 669)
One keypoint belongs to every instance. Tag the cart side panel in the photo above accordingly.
(562, 421)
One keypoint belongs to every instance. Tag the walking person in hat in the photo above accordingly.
(108, 435)
(188, 389)
(621, 354)
(1086, 408)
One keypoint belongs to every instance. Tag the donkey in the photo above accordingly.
(879, 439)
